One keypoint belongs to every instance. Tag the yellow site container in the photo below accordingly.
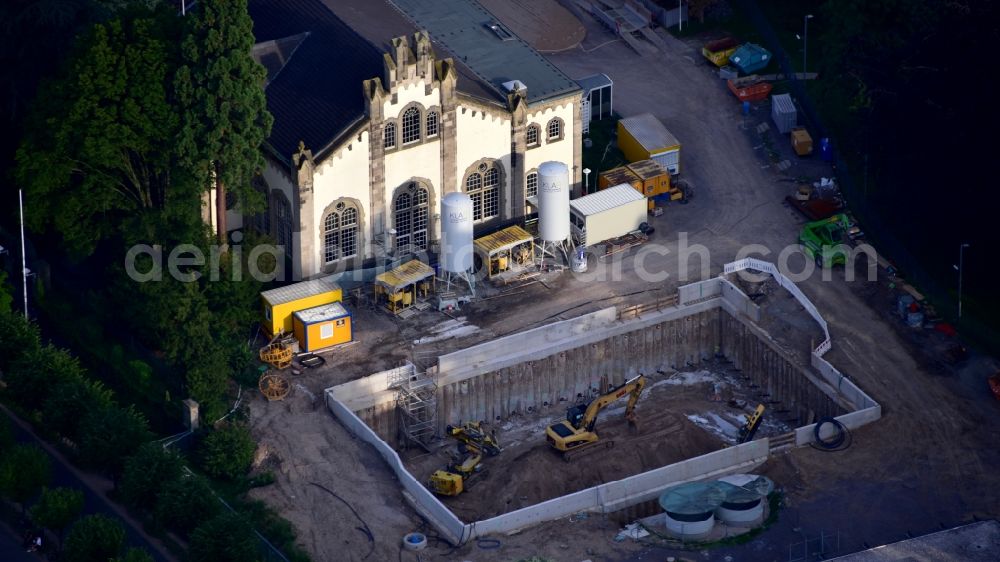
(323, 326)
(278, 305)
(643, 137)
(648, 177)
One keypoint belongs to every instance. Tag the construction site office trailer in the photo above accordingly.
(278, 305)
(322, 326)
(643, 137)
(607, 214)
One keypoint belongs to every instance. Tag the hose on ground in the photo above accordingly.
(488, 544)
(836, 442)
(365, 529)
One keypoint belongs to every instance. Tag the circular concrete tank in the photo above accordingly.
(741, 506)
(690, 508)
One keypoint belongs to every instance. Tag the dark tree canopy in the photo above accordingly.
(220, 86)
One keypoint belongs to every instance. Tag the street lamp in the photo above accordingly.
(24, 267)
(805, 41)
(586, 181)
(961, 256)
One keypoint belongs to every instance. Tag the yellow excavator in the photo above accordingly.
(473, 444)
(575, 434)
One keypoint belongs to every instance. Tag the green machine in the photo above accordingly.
(824, 240)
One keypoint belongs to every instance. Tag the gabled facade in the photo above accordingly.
(419, 137)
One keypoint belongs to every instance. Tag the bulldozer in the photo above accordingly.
(473, 444)
(576, 434)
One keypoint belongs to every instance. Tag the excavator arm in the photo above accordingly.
(633, 387)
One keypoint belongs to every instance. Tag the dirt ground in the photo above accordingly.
(544, 24)
(677, 420)
(929, 463)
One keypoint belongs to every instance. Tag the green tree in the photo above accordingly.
(71, 401)
(228, 451)
(6, 293)
(184, 503)
(24, 469)
(95, 538)
(148, 471)
(57, 508)
(224, 538)
(18, 338)
(32, 377)
(6, 435)
(98, 149)
(110, 435)
(134, 555)
(220, 87)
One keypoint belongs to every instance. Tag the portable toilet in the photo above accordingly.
(278, 305)
(322, 326)
(643, 137)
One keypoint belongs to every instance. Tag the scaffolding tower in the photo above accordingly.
(416, 402)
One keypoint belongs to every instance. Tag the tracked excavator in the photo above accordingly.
(473, 444)
(575, 434)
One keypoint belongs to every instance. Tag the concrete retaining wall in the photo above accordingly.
(612, 496)
(451, 527)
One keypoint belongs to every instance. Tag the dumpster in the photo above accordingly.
(750, 58)
(719, 51)
(749, 88)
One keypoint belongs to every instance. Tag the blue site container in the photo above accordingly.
(750, 58)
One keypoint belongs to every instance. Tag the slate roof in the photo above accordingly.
(324, 49)
(317, 92)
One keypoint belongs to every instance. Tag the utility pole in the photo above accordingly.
(24, 265)
(961, 264)
(805, 40)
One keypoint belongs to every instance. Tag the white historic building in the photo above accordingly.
(374, 124)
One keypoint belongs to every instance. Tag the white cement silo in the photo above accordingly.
(456, 238)
(553, 209)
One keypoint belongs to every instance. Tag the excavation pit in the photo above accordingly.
(711, 335)
(681, 415)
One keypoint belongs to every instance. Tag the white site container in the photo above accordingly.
(607, 214)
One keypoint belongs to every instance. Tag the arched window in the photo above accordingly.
(282, 221)
(410, 218)
(483, 186)
(432, 123)
(554, 129)
(532, 134)
(340, 233)
(531, 185)
(411, 125)
(390, 134)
